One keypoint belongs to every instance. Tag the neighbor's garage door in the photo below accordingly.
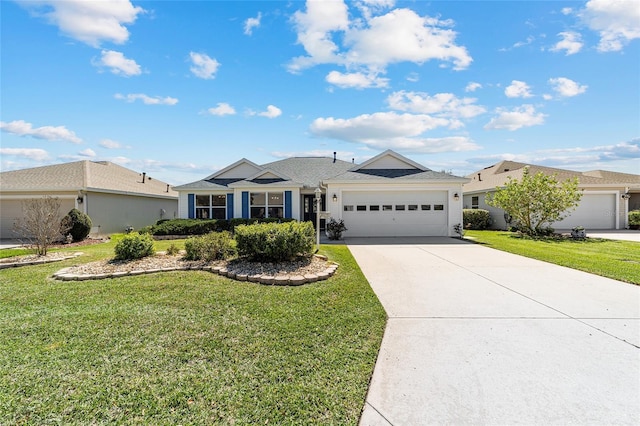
(595, 211)
(11, 210)
(391, 214)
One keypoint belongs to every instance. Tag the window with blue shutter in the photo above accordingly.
(287, 204)
(229, 206)
(245, 204)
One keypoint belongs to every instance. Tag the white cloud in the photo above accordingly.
(147, 100)
(518, 89)
(252, 23)
(617, 22)
(51, 133)
(472, 87)
(30, 153)
(442, 104)
(118, 63)
(571, 43)
(222, 109)
(271, 112)
(110, 144)
(566, 87)
(87, 153)
(384, 130)
(203, 66)
(567, 11)
(523, 116)
(91, 22)
(356, 80)
(373, 42)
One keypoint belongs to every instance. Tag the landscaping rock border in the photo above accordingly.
(36, 261)
(265, 279)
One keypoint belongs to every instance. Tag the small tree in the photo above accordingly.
(535, 202)
(40, 226)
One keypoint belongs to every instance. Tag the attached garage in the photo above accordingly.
(397, 214)
(595, 211)
(12, 211)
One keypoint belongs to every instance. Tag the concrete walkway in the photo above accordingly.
(479, 336)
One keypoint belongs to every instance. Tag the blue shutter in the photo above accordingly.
(245, 204)
(287, 204)
(192, 204)
(229, 206)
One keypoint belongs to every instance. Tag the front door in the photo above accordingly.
(309, 209)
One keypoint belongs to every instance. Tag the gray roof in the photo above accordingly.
(98, 176)
(308, 172)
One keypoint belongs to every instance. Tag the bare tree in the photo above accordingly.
(40, 226)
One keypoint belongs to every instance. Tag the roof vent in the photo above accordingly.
(334, 156)
(144, 176)
(479, 178)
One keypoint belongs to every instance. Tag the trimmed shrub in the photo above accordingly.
(476, 219)
(212, 246)
(274, 242)
(134, 246)
(634, 217)
(78, 224)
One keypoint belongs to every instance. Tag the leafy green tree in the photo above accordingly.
(536, 201)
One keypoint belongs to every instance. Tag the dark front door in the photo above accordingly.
(309, 209)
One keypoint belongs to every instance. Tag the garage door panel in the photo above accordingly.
(402, 213)
(595, 211)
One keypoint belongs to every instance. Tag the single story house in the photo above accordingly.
(114, 197)
(607, 196)
(388, 195)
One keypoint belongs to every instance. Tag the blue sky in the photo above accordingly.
(181, 89)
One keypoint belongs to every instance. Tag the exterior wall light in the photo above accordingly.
(79, 199)
(456, 196)
(335, 198)
(626, 196)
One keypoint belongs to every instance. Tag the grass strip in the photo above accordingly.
(615, 259)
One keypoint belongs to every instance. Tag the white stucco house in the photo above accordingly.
(113, 196)
(388, 195)
(607, 197)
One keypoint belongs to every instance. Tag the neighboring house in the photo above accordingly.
(388, 195)
(607, 197)
(114, 197)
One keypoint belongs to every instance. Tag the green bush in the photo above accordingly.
(77, 224)
(476, 219)
(634, 217)
(212, 246)
(134, 246)
(273, 242)
(202, 226)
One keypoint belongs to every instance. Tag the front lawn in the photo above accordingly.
(619, 260)
(185, 347)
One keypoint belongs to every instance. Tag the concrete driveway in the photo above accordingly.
(479, 336)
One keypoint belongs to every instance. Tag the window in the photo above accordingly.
(348, 208)
(374, 208)
(361, 208)
(413, 207)
(267, 204)
(387, 208)
(475, 202)
(425, 207)
(211, 206)
(399, 207)
(438, 206)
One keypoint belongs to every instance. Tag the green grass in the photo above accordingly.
(615, 259)
(185, 347)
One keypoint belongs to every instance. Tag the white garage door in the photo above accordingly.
(11, 210)
(395, 214)
(595, 211)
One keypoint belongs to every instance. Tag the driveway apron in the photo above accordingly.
(480, 336)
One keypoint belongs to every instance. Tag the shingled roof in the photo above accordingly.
(96, 176)
(498, 175)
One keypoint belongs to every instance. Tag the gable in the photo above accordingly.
(241, 169)
(389, 160)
